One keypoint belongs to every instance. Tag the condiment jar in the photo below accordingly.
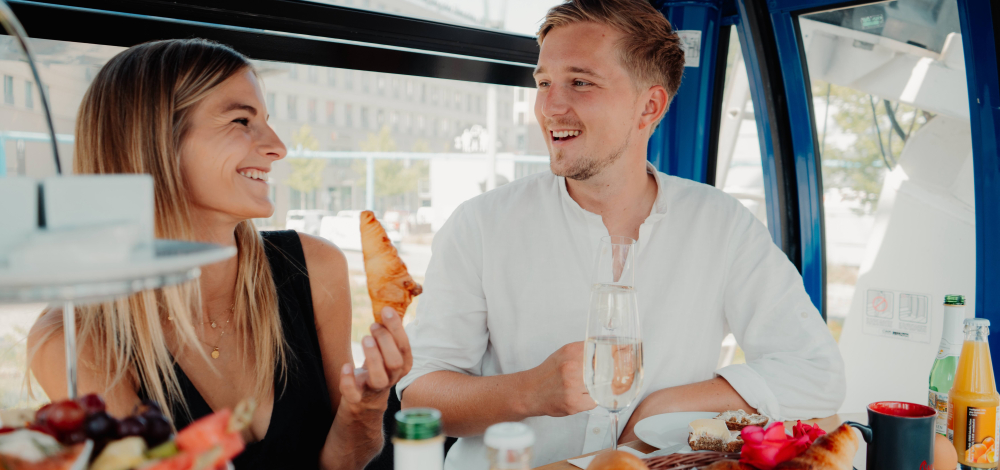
(508, 446)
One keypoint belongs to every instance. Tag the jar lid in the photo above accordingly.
(509, 436)
(418, 423)
(954, 300)
(977, 322)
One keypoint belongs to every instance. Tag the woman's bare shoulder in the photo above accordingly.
(47, 352)
(323, 259)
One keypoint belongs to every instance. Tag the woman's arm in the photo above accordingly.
(356, 435)
(49, 368)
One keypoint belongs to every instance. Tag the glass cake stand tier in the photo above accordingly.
(173, 262)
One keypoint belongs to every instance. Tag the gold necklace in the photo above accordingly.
(215, 348)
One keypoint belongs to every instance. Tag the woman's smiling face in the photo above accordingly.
(228, 149)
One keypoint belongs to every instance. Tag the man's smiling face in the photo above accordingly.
(587, 102)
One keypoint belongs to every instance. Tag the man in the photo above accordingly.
(499, 326)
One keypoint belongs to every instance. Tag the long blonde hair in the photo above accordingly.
(133, 119)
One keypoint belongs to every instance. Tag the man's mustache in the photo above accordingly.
(563, 123)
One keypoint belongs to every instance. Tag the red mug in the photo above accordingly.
(900, 435)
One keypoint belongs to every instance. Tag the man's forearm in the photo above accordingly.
(711, 395)
(469, 404)
(352, 441)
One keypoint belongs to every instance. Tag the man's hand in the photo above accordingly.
(556, 386)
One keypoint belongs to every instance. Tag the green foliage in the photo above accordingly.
(858, 167)
(392, 177)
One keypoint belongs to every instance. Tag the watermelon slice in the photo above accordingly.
(204, 433)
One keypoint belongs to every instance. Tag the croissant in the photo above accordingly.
(389, 284)
(833, 451)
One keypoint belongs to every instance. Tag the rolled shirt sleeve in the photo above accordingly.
(450, 330)
(793, 367)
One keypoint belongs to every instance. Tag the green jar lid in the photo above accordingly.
(954, 300)
(418, 423)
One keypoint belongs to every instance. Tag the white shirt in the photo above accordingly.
(509, 283)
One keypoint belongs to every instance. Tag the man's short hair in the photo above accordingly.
(649, 50)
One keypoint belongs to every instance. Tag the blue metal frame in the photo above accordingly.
(680, 145)
(979, 40)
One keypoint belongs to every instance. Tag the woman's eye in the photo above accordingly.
(243, 121)
(543, 84)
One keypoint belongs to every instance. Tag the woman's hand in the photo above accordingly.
(387, 359)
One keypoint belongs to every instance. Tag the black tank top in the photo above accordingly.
(302, 415)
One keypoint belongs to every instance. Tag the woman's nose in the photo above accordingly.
(272, 146)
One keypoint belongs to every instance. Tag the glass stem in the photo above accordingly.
(69, 335)
(614, 430)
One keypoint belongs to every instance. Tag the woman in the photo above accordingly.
(271, 323)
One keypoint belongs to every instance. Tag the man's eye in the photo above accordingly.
(243, 121)
(580, 83)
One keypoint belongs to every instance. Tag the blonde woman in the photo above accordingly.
(271, 323)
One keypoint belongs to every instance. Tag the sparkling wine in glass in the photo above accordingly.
(612, 363)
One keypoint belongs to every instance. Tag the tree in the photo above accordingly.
(392, 177)
(855, 151)
(307, 173)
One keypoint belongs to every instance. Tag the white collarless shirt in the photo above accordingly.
(509, 283)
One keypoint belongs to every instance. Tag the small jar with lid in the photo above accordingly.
(418, 443)
(508, 446)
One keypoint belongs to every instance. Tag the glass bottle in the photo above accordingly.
(508, 446)
(418, 443)
(943, 371)
(973, 401)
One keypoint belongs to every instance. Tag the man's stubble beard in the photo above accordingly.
(588, 167)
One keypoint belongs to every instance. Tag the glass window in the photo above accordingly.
(516, 16)
(417, 195)
(891, 112)
(8, 89)
(29, 99)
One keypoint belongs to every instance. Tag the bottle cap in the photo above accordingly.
(977, 322)
(509, 436)
(418, 423)
(954, 299)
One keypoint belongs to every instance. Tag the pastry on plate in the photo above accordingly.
(712, 434)
(736, 420)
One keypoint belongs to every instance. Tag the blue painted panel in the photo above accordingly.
(680, 145)
(753, 65)
(806, 157)
(979, 43)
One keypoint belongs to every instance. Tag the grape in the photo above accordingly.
(158, 430)
(148, 409)
(131, 426)
(101, 425)
(73, 437)
(42, 415)
(66, 416)
(43, 428)
(91, 403)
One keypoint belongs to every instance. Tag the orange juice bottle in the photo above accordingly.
(973, 403)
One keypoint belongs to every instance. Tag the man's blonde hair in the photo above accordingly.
(649, 50)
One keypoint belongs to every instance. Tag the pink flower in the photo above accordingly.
(765, 449)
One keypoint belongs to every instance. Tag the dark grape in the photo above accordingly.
(66, 416)
(101, 425)
(91, 403)
(158, 430)
(42, 415)
(73, 437)
(148, 409)
(131, 426)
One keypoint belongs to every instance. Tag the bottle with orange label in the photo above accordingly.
(973, 403)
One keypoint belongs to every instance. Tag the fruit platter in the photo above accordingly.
(81, 435)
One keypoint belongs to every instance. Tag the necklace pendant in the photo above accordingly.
(213, 324)
(215, 353)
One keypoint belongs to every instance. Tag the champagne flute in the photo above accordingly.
(612, 362)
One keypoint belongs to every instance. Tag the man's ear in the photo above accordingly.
(657, 101)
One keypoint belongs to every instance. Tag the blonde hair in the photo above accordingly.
(649, 49)
(133, 119)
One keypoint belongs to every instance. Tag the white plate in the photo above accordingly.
(669, 428)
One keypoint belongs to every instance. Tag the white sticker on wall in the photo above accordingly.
(691, 43)
(900, 315)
